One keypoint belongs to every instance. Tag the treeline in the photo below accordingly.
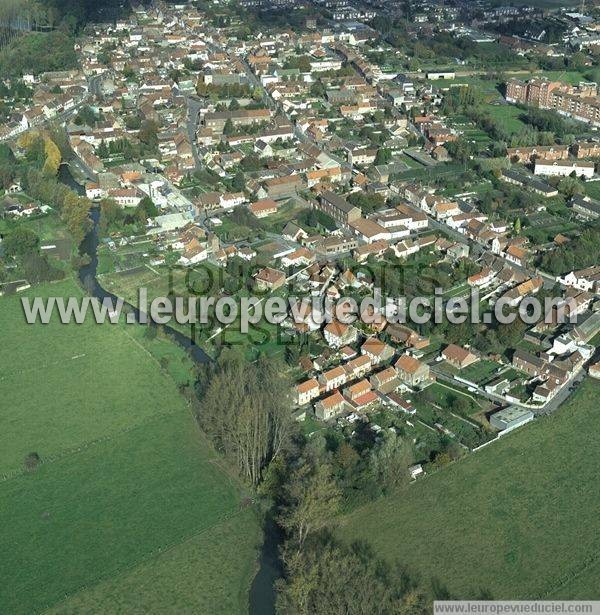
(245, 408)
(38, 52)
(37, 172)
(579, 253)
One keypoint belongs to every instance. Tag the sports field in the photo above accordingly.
(130, 508)
(518, 518)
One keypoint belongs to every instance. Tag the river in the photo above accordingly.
(261, 599)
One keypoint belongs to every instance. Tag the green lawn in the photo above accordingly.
(507, 115)
(130, 510)
(518, 518)
(480, 372)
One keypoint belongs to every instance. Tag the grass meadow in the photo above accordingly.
(518, 518)
(71, 384)
(130, 509)
(175, 581)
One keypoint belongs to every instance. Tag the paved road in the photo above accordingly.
(548, 408)
(193, 109)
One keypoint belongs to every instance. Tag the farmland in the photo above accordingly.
(518, 518)
(129, 505)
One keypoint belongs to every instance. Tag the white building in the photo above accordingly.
(564, 168)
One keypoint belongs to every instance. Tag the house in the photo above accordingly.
(338, 208)
(510, 418)
(330, 407)
(229, 200)
(126, 197)
(515, 295)
(358, 367)
(357, 390)
(481, 279)
(587, 280)
(306, 391)
(530, 183)
(585, 206)
(368, 230)
(336, 245)
(545, 392)
(528, 363)
(300, 257)
(402, 404)
(333, 378)
(516, 255)
(362, 402)
(377, 249)
(415, 471)
(338, 334)
(412, 371)
(269, 279)
(279, 188)
(401, 334)
(458, 357)
(263, 208)
(194, 252)
(93, 191)
(445, 209)
(385, 380)
(293, 232)
(377, 350)
(457, 251)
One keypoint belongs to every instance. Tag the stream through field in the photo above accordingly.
(262, 591)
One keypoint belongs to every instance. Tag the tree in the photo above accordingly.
(329, 577)
(570, 186)
(311, 499)
(239, 182)
(148, 134)
(228, 128)
(86, 117)
(148, 208)
(384, 155)
(517, 226)
(32, 461)
(110, 216)
(244, 407)
(389, 461)
(20, 242)
(76, 215)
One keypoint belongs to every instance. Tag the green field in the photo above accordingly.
(130, 509)
(176, 580)
(62, 385)
(518, 518)
(566, 76)
(507, 116)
